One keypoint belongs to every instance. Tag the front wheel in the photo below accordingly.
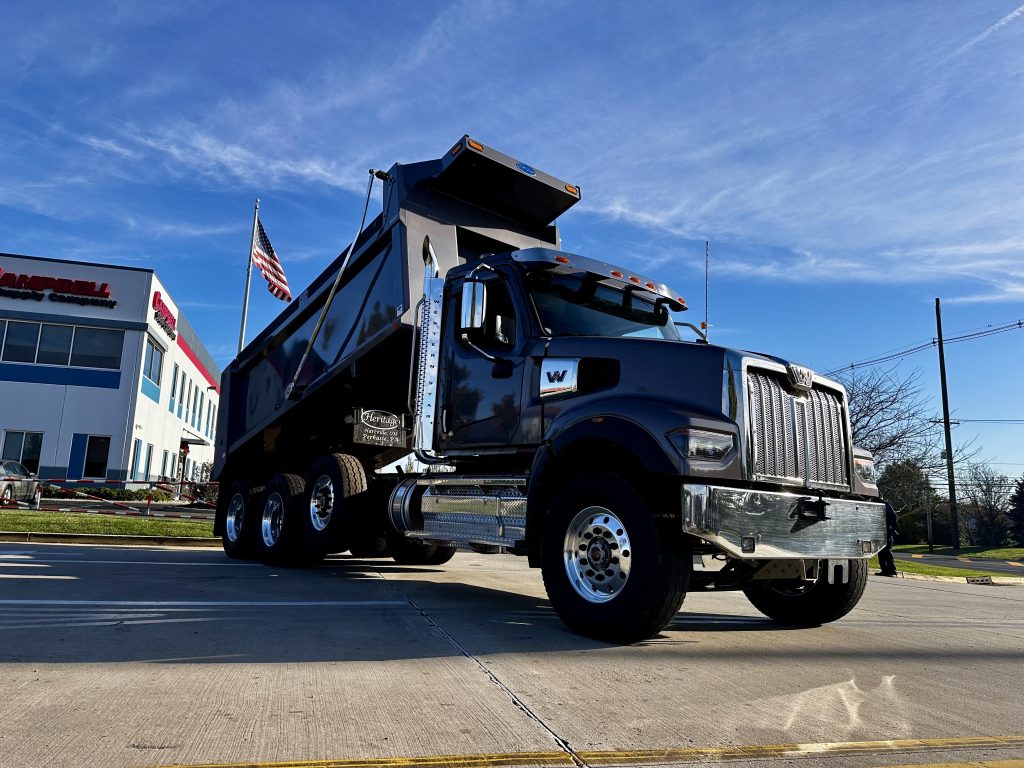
(813, 604)
(612, 570)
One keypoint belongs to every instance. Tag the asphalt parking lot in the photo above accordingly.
(156, 657)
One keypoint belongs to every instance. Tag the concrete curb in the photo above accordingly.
(997, 580)
(108, 539)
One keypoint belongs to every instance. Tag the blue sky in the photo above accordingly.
(849, 162)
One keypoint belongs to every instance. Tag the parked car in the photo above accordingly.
(17, 484)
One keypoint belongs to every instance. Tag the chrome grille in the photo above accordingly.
(797, 436)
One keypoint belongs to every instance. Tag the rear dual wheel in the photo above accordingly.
(279, 538)
(239, 534)
(327, 518)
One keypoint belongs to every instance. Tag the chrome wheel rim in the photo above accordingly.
(273, 518)
(321, 502)
(235, 515)
(8, 494)
(597, 555)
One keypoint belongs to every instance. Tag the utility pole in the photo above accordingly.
(954, 521)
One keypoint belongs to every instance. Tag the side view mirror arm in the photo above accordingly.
(475, 348)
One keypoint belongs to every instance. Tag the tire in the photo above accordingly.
(644, 563)
(7, 497)
(811, 606)
(327, 514)
(279, 534)
(239, 535)
(412, 552)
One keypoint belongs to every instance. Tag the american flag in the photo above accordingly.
(264, 257)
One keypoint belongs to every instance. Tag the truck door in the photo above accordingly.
(480, 397)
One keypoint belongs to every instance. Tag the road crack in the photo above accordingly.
(517, 702)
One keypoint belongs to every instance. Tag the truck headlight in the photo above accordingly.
(865, 469)
(702, 444)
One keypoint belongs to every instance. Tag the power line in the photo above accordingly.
(899, 354)
(991, 421)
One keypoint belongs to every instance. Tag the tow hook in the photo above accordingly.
(809, 509)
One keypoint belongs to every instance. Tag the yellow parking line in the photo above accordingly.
(972, 764)
(1014, 562)
(641, 756)
(917, 557)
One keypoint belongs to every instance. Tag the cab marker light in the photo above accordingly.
(475, 145)
(572, 190)
(652, 286)
(456, 149)
(616, 273)
(634, 280)
(561, 259)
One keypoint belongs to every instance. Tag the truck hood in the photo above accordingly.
(669, 371)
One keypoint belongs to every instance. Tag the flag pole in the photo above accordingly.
(248, 275)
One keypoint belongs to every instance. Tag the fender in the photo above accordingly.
(634, 445)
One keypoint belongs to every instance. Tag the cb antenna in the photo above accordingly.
(707, 281)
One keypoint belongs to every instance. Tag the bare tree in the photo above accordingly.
(891, 417)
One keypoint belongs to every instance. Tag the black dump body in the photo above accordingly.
(472, 201)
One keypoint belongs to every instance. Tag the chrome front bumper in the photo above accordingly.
(760, 525)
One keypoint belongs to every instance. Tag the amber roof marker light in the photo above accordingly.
(475, 145)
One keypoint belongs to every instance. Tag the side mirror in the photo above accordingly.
(474, 305)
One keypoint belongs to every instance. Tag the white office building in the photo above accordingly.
(101, 376)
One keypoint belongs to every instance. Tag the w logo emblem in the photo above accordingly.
(558, 376)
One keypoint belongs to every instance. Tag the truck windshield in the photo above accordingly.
(582, 304)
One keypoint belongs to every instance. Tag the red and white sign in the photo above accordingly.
(14, 285)
(164, 317)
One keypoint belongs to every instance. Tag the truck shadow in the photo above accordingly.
(342, 611)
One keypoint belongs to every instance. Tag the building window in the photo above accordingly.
(21, 342)
(149, 460)
(23, 447)
(136, 458)
(55, 344)
(174, 385)
(153, 364)
(97, 348)
(181, 394)
(97, 453)
(199, 414)
(49, 344)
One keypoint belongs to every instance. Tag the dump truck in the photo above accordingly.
(559, 408)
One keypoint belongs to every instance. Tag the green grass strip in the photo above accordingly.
(110, 525)
(982, 553)
(920, 568)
